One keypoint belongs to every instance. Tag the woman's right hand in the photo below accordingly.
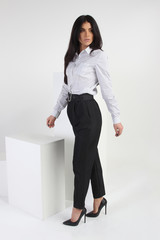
(50, 121)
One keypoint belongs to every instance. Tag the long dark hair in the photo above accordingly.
(74, 45)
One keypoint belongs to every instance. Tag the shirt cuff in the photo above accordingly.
(116, 120)
(55, 114)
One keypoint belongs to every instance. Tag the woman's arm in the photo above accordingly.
(105, 83)
(59, 106)
(61, 101)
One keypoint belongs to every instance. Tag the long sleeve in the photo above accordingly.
(105, 83)
(61, 101)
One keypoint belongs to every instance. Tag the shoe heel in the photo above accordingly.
(105, 208)
(84, 218)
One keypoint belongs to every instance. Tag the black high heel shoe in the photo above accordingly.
(70, 223)
(102, 204)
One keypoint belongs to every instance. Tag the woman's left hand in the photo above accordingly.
(118, 129)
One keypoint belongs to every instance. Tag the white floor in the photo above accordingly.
(133, 212)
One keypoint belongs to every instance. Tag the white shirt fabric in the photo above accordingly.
(84, 73)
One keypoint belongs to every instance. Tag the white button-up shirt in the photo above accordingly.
(84, 73)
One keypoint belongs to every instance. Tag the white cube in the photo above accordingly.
(36, 174)
(3, 179)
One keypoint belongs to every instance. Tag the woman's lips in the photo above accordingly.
(87, 40)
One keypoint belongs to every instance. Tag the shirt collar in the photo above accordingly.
(88, 50)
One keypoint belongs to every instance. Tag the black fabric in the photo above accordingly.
(86, 120)
(84, 96)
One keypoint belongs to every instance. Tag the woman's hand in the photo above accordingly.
(118, 129)
(50, 121)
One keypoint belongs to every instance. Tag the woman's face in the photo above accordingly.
(86, 35)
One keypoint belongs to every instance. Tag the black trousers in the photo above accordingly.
(86, 120)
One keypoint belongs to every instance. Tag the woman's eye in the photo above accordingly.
(82, 30)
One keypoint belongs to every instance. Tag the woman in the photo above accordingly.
(86, 66)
